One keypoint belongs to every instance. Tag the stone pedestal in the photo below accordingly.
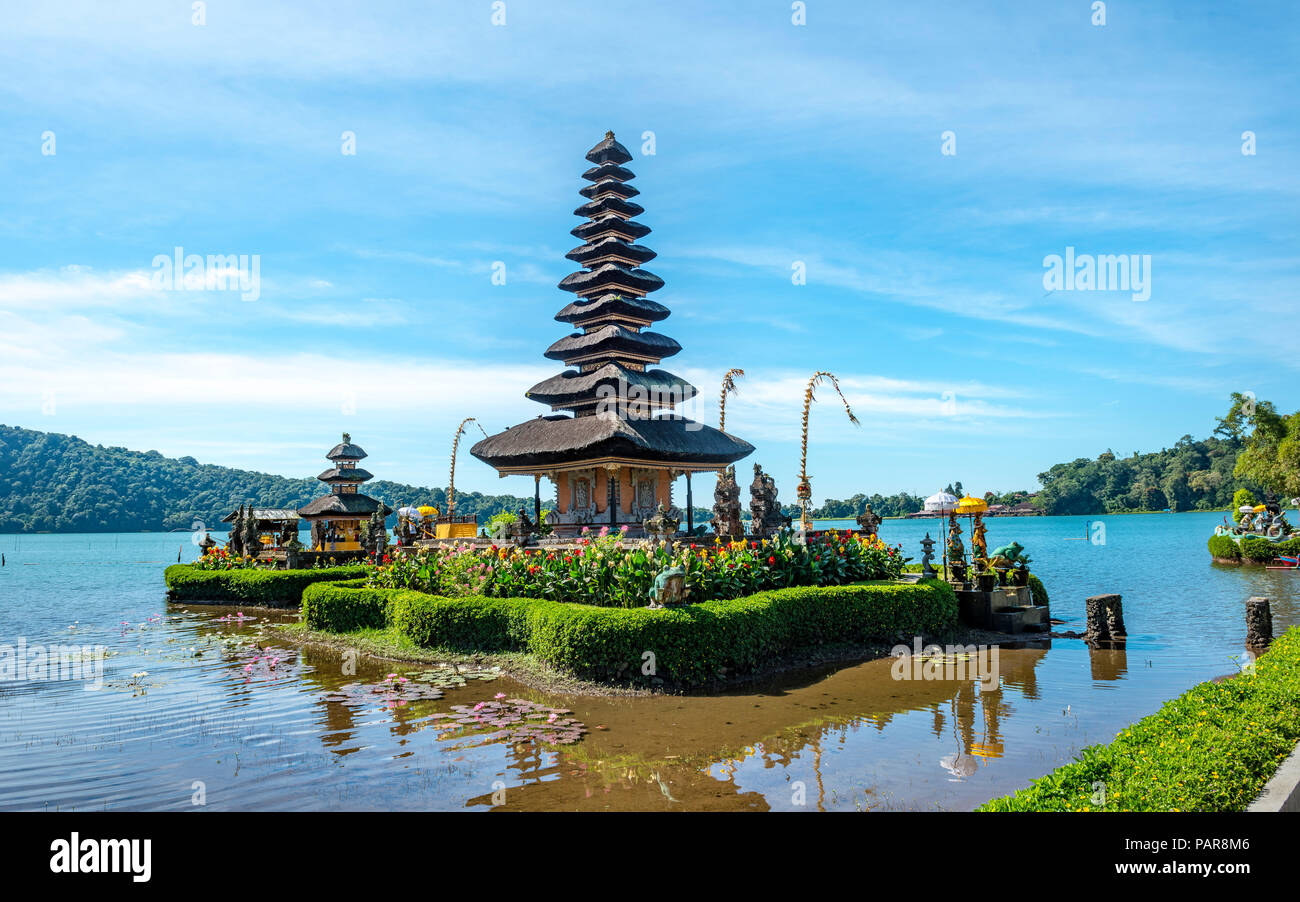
(1007, 609)
(1105, 620)
(1259, 623)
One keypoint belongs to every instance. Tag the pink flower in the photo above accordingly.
(499, 695)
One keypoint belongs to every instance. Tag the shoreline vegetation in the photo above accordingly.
(113, 489)
(1213, 748)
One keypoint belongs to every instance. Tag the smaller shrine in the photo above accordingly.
(336, 518)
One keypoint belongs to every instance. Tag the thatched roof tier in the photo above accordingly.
(609, 206)
(345, 450)
(353, 474)
(608, 171)
(612, 187)
(557, 440)
(608, 151)
(611, 248)
(277, 514)
(611, 277)
(344, 505)
(610, 225)
(572, 391)
(613, 341)
(627, 307)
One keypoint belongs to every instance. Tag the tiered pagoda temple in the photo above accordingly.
(614, 445)
(336, 518)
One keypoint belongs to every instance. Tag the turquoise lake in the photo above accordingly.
(217, 722)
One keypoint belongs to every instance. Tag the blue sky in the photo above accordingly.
(774, 143)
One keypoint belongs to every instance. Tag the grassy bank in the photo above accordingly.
(1211, 749)
(684, 647)
(270, 588)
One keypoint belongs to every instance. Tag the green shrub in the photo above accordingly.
(1211, 749)
(347, 606)
(691, 644)
(270, 588)
(1037, 590)
(1241, 498)
(1224, 548)
(1261, 551)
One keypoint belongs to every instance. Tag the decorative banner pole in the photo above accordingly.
(804, 491)
(455, 444)
(728, 386)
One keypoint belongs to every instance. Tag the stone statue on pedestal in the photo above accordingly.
(726, 507)
(763, 506)
(869, 520)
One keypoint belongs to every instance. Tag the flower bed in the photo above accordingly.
(686, 646)
(1211, 749)
(606, 571)
(249, 585)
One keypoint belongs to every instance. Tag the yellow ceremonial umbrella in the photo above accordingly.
(427, 511)
(1260, 507)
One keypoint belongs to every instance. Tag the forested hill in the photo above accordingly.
(59, 483)
(1192, 475)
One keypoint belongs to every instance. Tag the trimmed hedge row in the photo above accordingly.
(1211, 749)
(270, 588)
(1253, 549)
(690, 645)
(346, 606)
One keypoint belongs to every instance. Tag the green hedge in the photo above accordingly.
(1211, 749)
(691, 644)
(1253, 549)
(270, 588)
(1224, 548)
(1037, 590)
(346, 606)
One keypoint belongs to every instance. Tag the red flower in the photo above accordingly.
(771, 560)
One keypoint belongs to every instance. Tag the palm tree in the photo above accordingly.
(455, 444)
(804, 490)
(728, 385)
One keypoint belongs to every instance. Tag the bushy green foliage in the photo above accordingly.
(59, 483)
(688, 646)
(1224, 548)
(607, 571)
(1259, 550)
(1037, 590)
(1211, 749)
(881, 505)
(269, 588)
(1241, 498)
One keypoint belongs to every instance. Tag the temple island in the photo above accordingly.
(613, 445)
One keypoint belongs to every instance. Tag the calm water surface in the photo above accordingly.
(211, 713)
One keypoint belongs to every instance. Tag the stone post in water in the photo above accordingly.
(1105, 619)
(1259, 623)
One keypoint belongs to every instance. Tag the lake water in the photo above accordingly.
(191, 711)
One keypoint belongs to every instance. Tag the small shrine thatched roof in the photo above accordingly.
(287, 515)
(612, 340)
(351, 503)
(355, 474)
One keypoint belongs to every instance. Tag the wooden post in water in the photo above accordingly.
(1259, 623)
(1105, 619)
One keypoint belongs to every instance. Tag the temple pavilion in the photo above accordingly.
(336, 518)
(612, 445)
